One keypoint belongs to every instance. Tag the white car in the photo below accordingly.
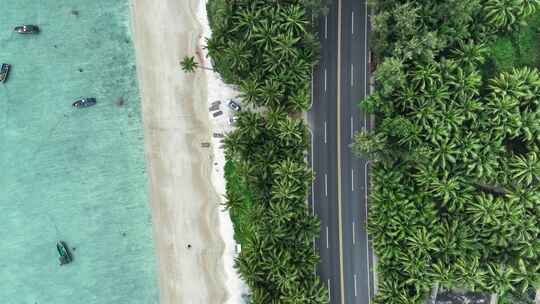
(232, 120)
(234, 105)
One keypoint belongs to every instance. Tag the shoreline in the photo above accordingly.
(185, 205)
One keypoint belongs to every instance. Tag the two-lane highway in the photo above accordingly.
(339, 193)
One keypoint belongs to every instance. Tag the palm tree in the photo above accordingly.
(470, 274)
(238, 57)
(273, 118)
(299, 100)
(250, 90)
(291, 169)
(465, 84)
(443, 152)
(526, 275)
(189, 64)
(250, 125)
(440, 272)
(246, 20)
(425, 76)
(271, 93)
(292, 131)
(294, 19)
(369, 145)
(470, 54)
(502, 14)
(525, 168)
(529, 6)
(424, 113)
(522, 84)
(484, 209)
(522, 195)
(422, 242)
(504, 114)
(499, 278)
(286, 190)
(263, 33)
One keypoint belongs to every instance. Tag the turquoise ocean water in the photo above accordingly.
(75, 175)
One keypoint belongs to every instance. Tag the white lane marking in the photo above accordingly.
(327, 242)
(311, 101)
(352, 128)
(355, 285)
(313, 182)
(353, 234)
(325, 80)
(314, 250)
(325, 132)
(325, 27)
(367, 163)
(325, 185)
(352, 75)
(365, 49)
(367, 237)
(366, 117)
(328, 283)
(352, 180)
(352, 23)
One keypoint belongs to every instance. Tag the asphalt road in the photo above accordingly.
(323, 121)
(354, 249)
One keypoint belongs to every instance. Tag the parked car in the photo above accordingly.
(218, 113)
(232, 120)
(234, 105)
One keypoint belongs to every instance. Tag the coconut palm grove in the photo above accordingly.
(455, 189)
(267, 49)
(456, 149)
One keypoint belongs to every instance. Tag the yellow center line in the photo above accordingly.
(342, 281)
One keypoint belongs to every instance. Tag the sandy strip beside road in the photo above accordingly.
(185, 206)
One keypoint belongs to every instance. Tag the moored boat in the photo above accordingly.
(4, 72)
(27, 29)
(65, 256)
(85, 102)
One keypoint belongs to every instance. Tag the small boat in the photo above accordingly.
(85, 102)
(27, 29)
(65, 256)
(4, 71)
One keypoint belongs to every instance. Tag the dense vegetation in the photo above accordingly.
(517, 48)
(267, 49)
(456, 177)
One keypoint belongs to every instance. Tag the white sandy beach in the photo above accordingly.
(217, 90)
(186, 180)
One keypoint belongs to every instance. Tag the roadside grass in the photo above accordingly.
(517, 49)
(240, 213)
